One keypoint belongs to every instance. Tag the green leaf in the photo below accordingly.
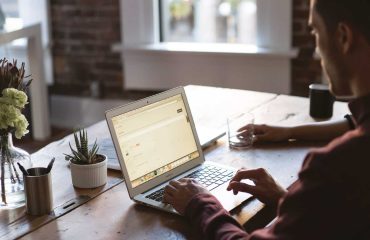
(82, 154)
(77, 142)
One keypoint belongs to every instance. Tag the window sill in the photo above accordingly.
(207, 48)
(163, 66)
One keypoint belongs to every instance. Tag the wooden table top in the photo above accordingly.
(108, 213)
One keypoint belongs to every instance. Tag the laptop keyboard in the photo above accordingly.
(209, 176)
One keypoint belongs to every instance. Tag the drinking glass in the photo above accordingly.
(240, 130)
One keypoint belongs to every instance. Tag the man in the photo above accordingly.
(331, 198)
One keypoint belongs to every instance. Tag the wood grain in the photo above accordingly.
(15, 222)
(110, 214)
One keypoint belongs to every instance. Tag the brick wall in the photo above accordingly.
(83, 32)
(305, 69)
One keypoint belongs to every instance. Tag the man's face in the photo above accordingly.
(332, 60)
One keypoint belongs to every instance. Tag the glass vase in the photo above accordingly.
(11, 179)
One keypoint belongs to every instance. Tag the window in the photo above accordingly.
(264, 23)
(10, 8)
(167, 43)
(22, 13)
(10, 13)
(209, 21)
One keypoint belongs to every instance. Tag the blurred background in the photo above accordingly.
(100, 54)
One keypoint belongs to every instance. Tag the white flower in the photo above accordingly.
(14, 97)
(12, 118)
(8, 115)
(21, 126)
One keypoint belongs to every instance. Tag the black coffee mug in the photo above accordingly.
(321, 101)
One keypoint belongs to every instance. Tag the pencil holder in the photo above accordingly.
(39, 195)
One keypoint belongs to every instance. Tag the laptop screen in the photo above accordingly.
(155, 139)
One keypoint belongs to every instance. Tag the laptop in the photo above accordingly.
(156, 141)
(207, 137)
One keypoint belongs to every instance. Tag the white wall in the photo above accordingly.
(158, 70)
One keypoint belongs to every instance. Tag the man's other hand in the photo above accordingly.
(179, 193)
(265, 188)
(266, 133)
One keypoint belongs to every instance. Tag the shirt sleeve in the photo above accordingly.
(211, 220)
(297, 214)
(330, 199)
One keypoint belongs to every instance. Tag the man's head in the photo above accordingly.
(342, 31)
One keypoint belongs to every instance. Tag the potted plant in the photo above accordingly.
(13, 99)
(88, 168)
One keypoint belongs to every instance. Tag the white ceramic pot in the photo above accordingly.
(91, 175)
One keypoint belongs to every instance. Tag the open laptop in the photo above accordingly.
(156, 141)
(207, 137)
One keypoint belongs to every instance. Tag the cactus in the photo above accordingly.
(82, 154)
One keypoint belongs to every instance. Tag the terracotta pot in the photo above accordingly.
(89, 175)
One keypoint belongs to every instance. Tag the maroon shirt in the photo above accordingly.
(330, 199)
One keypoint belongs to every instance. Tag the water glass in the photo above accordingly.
(240, 130)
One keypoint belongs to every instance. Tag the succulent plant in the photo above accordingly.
(82, 154)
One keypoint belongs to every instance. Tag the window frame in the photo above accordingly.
(18, 48)
(141, 38)
(165, 16)
(274, 28)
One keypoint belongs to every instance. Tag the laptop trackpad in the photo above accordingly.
(227, 198)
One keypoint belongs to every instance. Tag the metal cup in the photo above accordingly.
(39, 195)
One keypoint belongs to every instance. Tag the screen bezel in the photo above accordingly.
(170, 174)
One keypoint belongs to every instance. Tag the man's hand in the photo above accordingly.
(266, 133)
(265, 188)
(179, 193)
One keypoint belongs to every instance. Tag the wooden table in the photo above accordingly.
(108, 213)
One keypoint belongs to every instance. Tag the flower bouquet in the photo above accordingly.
(13, 99)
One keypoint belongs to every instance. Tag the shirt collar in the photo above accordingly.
(360, 108)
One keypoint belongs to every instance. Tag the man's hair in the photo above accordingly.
(354, 12)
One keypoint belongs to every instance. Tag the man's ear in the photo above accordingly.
(345, 37)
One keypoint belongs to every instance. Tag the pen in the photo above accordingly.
(50, 165)
(22, 169)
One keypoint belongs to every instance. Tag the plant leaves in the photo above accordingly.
(82, 154)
